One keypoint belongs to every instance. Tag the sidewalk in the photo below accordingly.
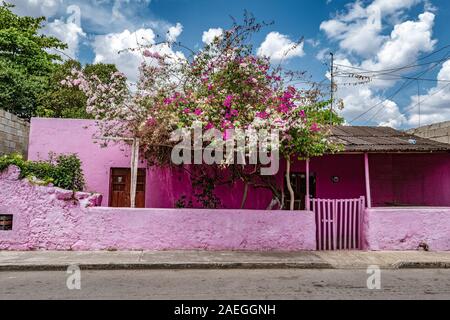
(101, 260)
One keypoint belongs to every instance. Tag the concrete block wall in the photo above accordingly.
(438, 131)
(13, 134)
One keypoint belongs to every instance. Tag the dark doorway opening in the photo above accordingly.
(298, 183)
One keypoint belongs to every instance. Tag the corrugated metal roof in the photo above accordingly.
(383, 139)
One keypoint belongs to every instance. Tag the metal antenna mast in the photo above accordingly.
(332, 87)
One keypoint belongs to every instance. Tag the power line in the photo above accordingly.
(404, 85)
(422, 101)
(399, 77)
(407, 83)
(399, 68)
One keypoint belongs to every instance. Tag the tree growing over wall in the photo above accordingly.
(25, 61)
(224, 85)
(62, 101)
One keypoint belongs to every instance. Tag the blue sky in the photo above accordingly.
(372, 35)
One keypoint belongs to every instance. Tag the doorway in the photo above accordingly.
(119, 186)
(298, 183)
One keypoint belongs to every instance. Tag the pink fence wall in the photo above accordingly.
(51, 219)
(406, 228)
(45, 218)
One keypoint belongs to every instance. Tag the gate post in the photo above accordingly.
(307, 204)
(367, 176)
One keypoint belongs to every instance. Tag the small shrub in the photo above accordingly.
(64, 171)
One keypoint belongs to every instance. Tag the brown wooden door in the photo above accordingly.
(119, 195)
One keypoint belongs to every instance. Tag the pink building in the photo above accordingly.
(402, 170)
(387, 190)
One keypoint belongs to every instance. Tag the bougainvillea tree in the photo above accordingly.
(222, 86)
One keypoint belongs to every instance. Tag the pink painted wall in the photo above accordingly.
(164, 186)
(406, 228)
(348, 167)
(408, 179)
(75, 136)
(48, 218)
(43, 220)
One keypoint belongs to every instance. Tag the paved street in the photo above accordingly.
(227, 284)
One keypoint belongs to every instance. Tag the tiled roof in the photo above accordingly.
(384, 139)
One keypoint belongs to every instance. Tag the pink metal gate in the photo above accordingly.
(338, 223)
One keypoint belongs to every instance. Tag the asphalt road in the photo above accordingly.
(226, 284)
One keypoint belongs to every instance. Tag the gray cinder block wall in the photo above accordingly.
(437, 131)
(13, 134)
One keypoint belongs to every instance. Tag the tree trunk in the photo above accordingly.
(273, 203)
(244, 196)
(288, 180)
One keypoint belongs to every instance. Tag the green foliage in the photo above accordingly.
(25, 61)
(182, 203)
(64, 171)
(62, 101)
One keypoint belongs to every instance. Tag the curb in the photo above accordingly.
(218, 266)
(167, 266)
(422, 265)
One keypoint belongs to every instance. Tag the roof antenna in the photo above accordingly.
(331, 87)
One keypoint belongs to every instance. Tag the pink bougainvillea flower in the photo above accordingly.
(187, 110)
(228, 101)
(198, 111)
(262, 115)
(210, 125)
(314, 127)
(226, 135)
(302, 114)
(292, 90)
(226, 124)
(149, 54)
(234, 113)
(151, 121)
(283, 108)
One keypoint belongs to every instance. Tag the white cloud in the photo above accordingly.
(359, 29)
(209, 36)
(67, 29)
(360, 99)
(37, 8)
(174, 32)
(322, 54)
(68, 32)
(407, 41)
(313, 42)
(278, 46)
(107, 47)
(360, 35)
(392, 6)
(435, 104)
